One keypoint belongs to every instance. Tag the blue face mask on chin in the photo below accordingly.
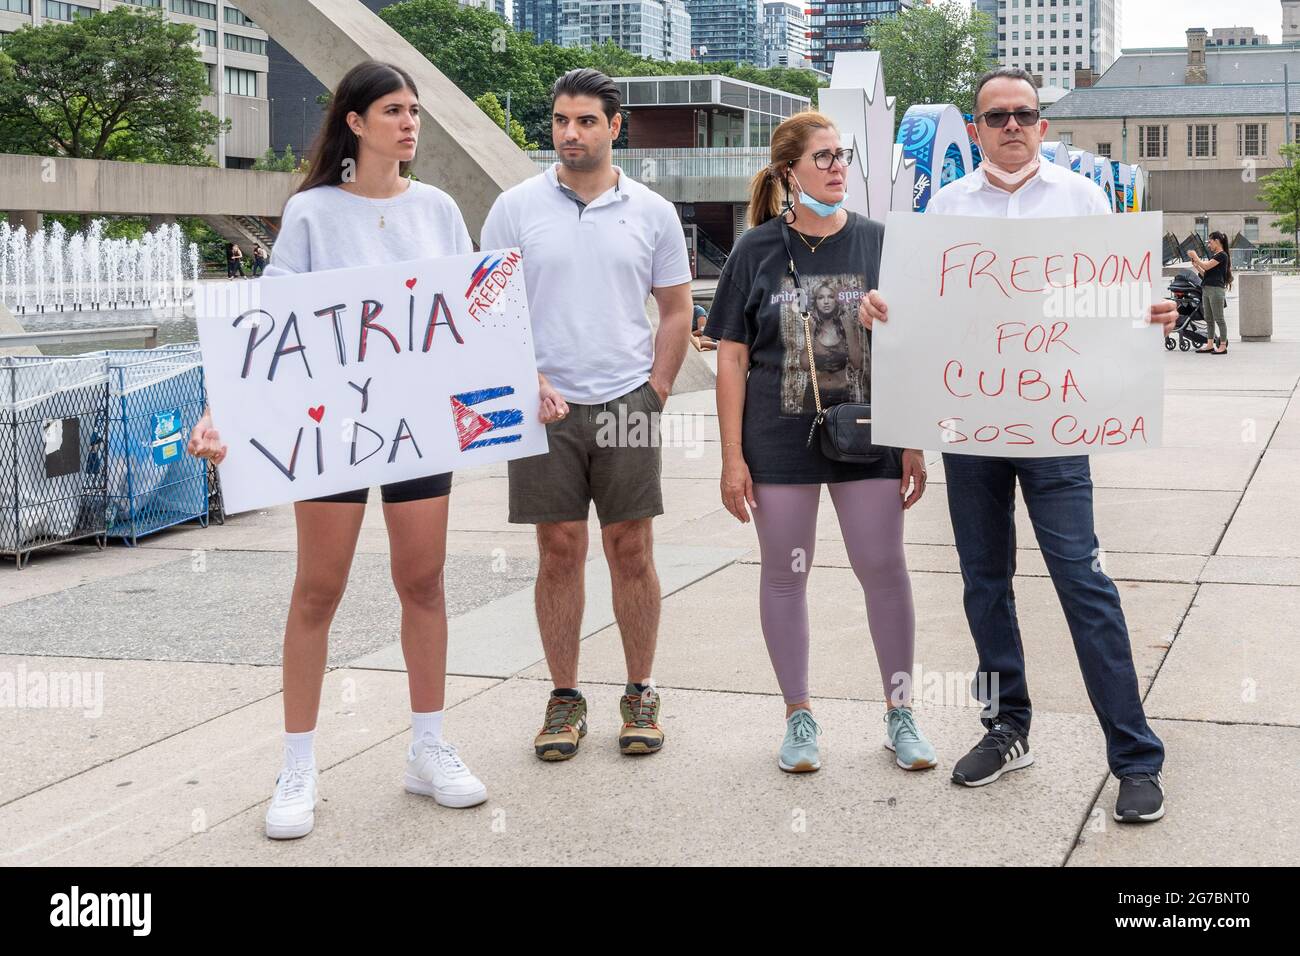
(823, 209)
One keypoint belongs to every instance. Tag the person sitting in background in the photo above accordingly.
(701, 341)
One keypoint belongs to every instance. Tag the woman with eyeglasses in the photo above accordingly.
(785, 347)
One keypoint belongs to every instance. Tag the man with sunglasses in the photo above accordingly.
(1011, 181)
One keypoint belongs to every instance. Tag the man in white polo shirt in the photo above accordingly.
(596, 244)
(1012, 182)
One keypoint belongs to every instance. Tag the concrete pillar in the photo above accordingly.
(32, 221)
(461, 150)
(1255, 306)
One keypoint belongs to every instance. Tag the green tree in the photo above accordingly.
(932, 54)
(1280, 191)
(473, 47)
(286, 162)
(490, 105)
(481, 54)
(477, 51)
(115, 227)
(123, 85)
(800, 82)
(212, 245)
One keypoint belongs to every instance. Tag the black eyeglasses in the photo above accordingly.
(997, 119)
(825, 159)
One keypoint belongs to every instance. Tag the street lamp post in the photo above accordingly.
(1286, 105)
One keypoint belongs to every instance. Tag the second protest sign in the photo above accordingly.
(1018, 337)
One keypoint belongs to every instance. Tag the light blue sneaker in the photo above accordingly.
(912, 751)
(799, 750)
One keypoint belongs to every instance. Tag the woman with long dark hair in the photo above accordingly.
(1216, 280)
(778, 336)
(356, 208)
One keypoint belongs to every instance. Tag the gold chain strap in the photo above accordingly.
(807, 338)
(812, 372)
(812, 368)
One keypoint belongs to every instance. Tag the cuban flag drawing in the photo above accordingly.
(476, 429)
(482, 271)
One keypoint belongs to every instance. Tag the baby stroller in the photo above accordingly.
(1191, 330)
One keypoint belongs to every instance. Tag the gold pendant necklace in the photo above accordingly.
(381, 221)
(811, 247)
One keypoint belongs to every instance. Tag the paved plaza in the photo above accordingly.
(173, 760)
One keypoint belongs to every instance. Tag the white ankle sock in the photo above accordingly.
(299, 749)
(426, 725)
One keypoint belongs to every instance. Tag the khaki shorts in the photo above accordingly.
(609, 454)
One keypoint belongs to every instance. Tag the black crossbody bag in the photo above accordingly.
(845, 427)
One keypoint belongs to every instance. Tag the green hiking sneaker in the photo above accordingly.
(565, 726)
(912, 751)
(799, 750)
(641, 733)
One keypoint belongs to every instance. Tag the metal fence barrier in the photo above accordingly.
(53, 426)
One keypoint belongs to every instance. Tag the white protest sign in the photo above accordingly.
(326, 382)
(1018, 337)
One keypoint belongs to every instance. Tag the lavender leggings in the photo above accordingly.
(871, 520)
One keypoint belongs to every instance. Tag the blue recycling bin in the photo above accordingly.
(155, 398)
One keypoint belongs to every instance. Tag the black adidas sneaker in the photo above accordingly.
(1003, 748)
(1141, 798)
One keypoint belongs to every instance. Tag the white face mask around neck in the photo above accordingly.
(1010, 177)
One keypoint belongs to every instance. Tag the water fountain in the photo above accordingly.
(50, 271)
(98, 408)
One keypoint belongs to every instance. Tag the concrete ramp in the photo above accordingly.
(11, 326)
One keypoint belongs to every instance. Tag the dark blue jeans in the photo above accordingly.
(1058, 497)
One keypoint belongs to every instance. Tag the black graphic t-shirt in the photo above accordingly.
(756, 303)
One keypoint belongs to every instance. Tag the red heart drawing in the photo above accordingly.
(410, 283)
(317, 413)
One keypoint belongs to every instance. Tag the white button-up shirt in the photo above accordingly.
(1052, 191)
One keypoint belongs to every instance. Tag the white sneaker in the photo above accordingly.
(435, 770)
(292, 813)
